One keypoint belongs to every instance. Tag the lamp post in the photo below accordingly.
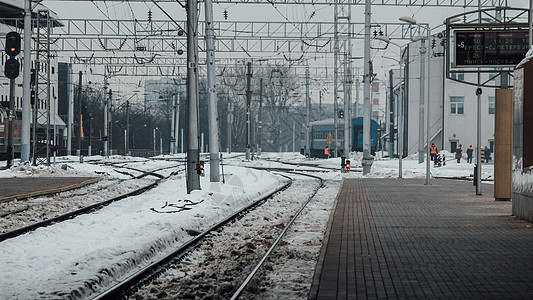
(422, 40)
(400, 106)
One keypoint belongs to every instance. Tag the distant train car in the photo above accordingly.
(323, 135)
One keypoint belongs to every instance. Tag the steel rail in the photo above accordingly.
(87, 209)
(280, 236)
(154, 269)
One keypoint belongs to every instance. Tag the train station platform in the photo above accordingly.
(26, 187)
(401, 239)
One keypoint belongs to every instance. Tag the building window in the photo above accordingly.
(458, 76)
(495, 77)
(457, 105)
(491, 105)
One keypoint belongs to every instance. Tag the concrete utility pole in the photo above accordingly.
(248, 102)
(367, 157)
(390, 114)
(193, 153)
(400, 118)
(106, 123)
(307, 115)
(356, 104)
(26, 85)
(173, 127)
(260, 117)
(347, 101)
(127, 137)
(421, 153)
(214, 159)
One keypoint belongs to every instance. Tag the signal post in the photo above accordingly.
(11, 70)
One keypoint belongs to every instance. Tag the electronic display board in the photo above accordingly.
(490, 47)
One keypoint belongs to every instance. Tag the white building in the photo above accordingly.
(452, 104)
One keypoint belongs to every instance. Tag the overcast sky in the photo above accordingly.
(266, 12)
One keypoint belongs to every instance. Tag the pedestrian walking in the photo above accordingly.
(459, 153)
(469, 154)
(487, 154)
(433, 151)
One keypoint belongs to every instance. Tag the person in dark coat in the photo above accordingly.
(487, 154)
(469, 154)
(459, 153)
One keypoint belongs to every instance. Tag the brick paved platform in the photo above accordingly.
(401, 239)
(22, 187)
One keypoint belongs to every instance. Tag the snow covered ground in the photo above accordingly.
(72, 257)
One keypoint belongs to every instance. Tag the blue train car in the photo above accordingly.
(357, 135)
(320, 130)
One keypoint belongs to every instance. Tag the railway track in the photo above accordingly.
(244, 252)
(25, 216)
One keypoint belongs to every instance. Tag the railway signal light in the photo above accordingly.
(32, 77)
(341, 114)
(347, 165)
(200, 168)
(32, 97)
(13, 43)
(11, 68)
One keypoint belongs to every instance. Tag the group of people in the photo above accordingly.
(470, 154)
(435, 157)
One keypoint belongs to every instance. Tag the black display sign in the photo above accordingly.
(490, 48)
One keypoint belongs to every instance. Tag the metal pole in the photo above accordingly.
(478, 125)
(70, 92)
(78, 151)
(347, 115)
(320, 105)
(160, 142)
(214, 159)
(154, 140)
(307, 116)
(90, 134)
(248, 102)
(293, 135)
(260, 117)
(125, 142)
(356, 104)
(367, 158)
(110, 118)
(390, 114)
(428, 124)
(10, 123)
(26, 85)
(335, 83)
(421, 153)
(172, 149)
(193, 154)
(106, 129)
(127, 137)
(182, 141)
(177, 124)
(400, 121)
